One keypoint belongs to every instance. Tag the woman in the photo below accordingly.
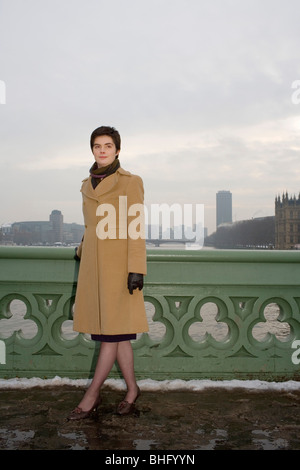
(109, 302)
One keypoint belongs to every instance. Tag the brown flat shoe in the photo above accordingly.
(78, 412)
(124, 408)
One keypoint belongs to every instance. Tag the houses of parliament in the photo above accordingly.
(287, 222)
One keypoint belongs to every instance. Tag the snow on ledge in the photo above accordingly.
(153, 385)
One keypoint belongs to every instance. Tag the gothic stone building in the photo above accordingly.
(287, 222)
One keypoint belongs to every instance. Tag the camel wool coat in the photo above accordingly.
(103, 304)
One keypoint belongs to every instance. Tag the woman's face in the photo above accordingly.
(104, 150)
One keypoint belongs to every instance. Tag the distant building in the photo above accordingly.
(287, 222)
(31, 233)
(224, 207)
(51, 232)
(56, 221)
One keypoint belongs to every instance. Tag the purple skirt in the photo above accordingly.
(113, 338)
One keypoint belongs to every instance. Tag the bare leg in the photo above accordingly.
(126, 362)
(106, 359)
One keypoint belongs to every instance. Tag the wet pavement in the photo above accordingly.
(212, 419)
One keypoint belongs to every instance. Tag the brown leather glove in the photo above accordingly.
(76, 257)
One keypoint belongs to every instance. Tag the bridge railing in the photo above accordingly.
(212, 314)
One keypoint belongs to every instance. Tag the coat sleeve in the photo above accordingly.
(137, 257)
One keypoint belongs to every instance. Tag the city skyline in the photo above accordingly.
(224, 209)
(164, 216)
(205, 97)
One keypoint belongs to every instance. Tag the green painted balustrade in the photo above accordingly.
(212, 315)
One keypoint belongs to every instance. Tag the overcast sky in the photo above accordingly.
(200, 91)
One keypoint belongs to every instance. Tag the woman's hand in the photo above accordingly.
(135, 281)
(76, 257)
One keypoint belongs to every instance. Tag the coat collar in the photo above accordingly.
(105, 186)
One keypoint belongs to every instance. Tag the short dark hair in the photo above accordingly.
(106, 130)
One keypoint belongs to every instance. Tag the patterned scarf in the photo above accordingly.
(98, 174)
